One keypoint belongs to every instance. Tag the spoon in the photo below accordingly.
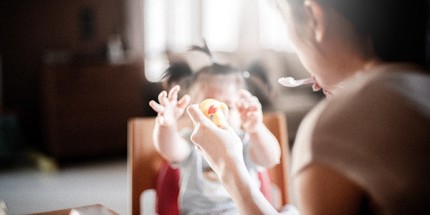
(291, 82)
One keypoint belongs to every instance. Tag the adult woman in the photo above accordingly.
(365, 149)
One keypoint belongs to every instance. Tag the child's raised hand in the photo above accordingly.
(250, 110)
(169, 108)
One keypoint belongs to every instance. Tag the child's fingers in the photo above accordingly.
(184, 101)
(250, 99)
(162, 98)
(249, 102)
(253, 108)
(252, 114)
(245, 98)
(173, 93)
(160, 120)
(156, 107)
(245, 94)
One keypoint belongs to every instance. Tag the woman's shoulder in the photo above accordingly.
(374, 105)
(388, 87)
(382, 84)
(371, 105)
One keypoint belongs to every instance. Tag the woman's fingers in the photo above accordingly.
(198, 119)
(196, 114)
(214, 142)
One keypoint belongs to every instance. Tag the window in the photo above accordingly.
(273, 32)
(155, 37)
(226, 25)
(221, 24)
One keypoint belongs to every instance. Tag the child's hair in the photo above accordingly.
(255, 79)
(177, 73)
(180, 73)
(258, 84)
(205, 74)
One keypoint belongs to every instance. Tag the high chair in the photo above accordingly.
(145, 165)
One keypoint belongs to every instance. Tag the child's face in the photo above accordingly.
(223, 88)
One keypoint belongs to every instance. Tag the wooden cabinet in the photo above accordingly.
(86, 108)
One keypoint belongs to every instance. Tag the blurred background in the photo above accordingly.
(73, 72)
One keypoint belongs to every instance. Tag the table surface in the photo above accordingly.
(96, 209)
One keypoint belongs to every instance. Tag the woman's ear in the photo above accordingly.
(317, 18)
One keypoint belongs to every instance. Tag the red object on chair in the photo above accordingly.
(265, 184)
(167, 190)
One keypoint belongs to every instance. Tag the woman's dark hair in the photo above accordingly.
(398, 28)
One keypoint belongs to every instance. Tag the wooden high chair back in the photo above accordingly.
(144, 162)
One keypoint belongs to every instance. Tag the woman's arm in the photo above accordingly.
(321, 190)
(222, 148)
(244, 192)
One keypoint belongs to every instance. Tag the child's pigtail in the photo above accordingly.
(258, 84)
(204, 49)
(178, 73)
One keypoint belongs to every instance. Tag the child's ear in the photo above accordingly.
(317, 16)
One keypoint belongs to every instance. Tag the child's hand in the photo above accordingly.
(250, 110)
(169, 108)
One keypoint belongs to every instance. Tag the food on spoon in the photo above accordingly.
(215, 111)
(291, 82)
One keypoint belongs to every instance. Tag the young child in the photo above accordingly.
(200, 190)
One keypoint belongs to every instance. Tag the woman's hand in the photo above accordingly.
(221, 147)
(169, 108)
(250, 110)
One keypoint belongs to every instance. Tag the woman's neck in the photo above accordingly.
(368, 66)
